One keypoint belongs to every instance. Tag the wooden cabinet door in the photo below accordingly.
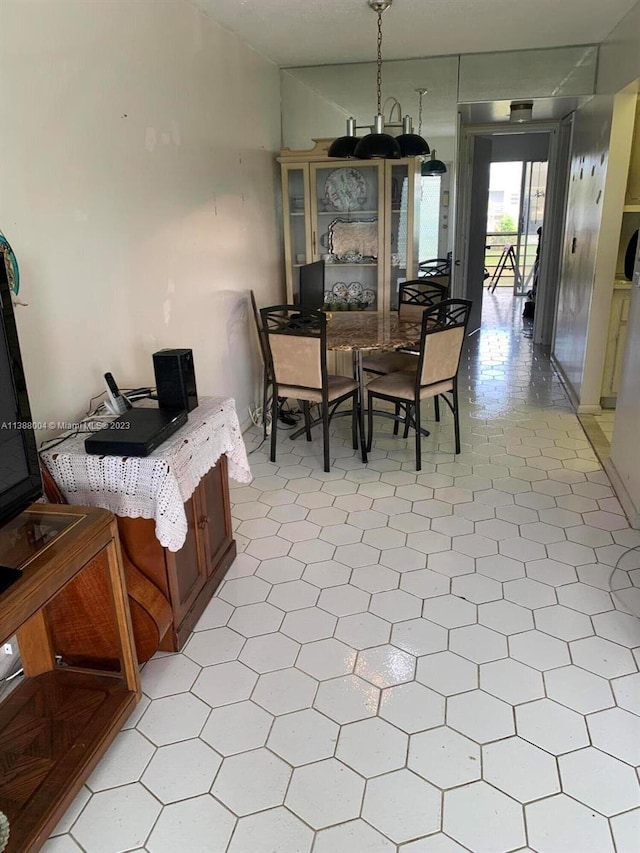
(215, 521)
(186, 568)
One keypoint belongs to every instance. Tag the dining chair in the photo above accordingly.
(267, 380)
(296, 343)
(413, 298)
(435, 266)
(442, 336)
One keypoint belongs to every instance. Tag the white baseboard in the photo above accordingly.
(565, 382)
(589, 410)
(631, 510)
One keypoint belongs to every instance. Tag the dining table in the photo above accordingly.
(363, 332)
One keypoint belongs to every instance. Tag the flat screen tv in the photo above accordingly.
(20, 482)
(312, 285)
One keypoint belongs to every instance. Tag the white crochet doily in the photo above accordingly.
(158, 485)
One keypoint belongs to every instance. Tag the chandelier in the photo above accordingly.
(378, 144)
(431, 166)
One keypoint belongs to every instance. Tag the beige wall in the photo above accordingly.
(138, 189)
(308, 115)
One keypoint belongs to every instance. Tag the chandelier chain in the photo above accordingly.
(379, 71)
(420, 116)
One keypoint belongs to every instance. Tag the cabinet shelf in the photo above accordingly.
(329, 265)
(347, 212)
(631, 208)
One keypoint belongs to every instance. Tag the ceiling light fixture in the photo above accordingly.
(432, 166)
(520, 111)
(345, 146)
(378, 144)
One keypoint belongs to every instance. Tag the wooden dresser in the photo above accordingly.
(174, 521)
(58, 721)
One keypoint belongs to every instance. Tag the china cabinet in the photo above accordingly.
(359, 216)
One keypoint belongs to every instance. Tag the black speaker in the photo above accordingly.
(175, 379)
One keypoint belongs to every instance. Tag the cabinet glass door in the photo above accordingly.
(348, 232)
(401, 222)
(295, 194)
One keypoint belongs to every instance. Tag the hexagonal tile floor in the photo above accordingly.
(402, 662)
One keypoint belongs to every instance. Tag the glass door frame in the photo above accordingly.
(412, 223)
(290, 261)
(521, 282)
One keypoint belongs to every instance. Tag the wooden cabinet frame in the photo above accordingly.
(58, 722)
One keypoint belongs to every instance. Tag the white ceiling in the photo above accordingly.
(313, 32)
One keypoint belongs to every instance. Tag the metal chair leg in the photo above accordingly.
(407, 421)
(307, 418)
(363, 441)
(369, 423)
(265, 402)
(436, 407)
(274, 422)
(396, 423)
(325, 435)
(418, 436)
(354, 421)
(456, 418)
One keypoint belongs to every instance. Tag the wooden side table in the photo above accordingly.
(60, 720)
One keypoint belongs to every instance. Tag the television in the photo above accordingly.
(312, 285)
(20, 482)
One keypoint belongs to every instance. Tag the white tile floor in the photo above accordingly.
(398, 662)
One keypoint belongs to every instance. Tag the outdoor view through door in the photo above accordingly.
(515, 213)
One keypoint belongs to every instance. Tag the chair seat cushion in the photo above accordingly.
(338, 387)
(403, 384)
(389, 362)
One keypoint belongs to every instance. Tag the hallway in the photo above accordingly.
(402, 662)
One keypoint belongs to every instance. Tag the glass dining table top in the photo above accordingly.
(351, 331)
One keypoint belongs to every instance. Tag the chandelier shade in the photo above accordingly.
(378, 145)
(432, 166)
(411, 144)
(344, 146)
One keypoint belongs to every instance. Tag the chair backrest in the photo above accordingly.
(296, 340)
(435, 266)
(418, 294)
(261, 336)
(442, 336)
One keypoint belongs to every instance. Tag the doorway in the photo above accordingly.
(515, 215)
(537, 195)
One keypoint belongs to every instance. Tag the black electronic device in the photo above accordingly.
(136, 433)
(117, 403)
(175, 379)
(312, 285)
(20, 482)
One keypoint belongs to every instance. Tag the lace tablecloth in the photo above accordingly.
(158, 485)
